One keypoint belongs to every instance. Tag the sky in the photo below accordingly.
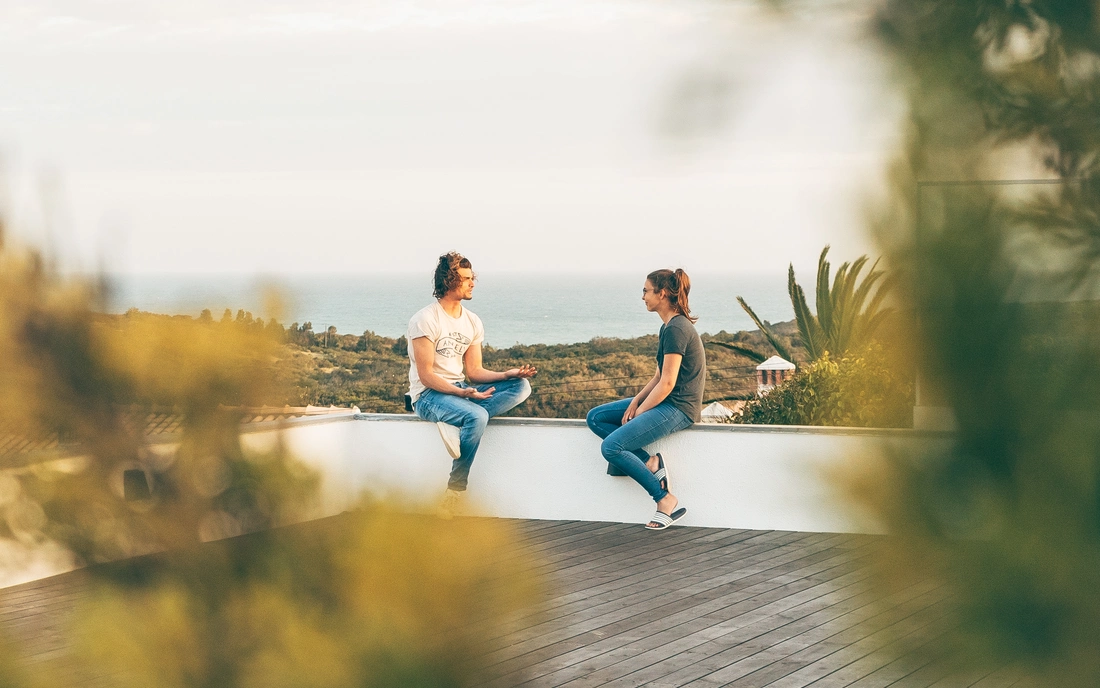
(292, 137)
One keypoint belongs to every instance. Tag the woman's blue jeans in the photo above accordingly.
(470, 416)
(622, 444)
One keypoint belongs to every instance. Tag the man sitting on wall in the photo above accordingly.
(442, 337)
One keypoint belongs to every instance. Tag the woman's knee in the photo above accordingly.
(591, 420)
(611, 450)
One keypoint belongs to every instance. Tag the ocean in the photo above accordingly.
(516, 308)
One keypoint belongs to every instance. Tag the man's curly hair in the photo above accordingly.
(446, 272)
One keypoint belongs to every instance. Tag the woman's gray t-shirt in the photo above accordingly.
(678, 336)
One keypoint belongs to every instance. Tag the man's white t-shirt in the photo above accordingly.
(451, 336)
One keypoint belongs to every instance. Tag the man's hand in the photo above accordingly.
(472, 393)
(524, 370)
(631, 411)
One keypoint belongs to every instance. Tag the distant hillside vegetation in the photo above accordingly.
(371, 371)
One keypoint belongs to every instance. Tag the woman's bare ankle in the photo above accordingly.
(668, 503)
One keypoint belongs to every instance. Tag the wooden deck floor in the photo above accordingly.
(683, 607)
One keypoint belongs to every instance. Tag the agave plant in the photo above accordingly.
(842, 321)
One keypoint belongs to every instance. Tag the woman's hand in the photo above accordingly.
(631, 411)
(524, 370)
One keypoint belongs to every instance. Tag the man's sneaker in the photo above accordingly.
(449, 504)
(451, 439)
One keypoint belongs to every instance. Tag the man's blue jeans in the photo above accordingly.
(470, 416)
(622, 444)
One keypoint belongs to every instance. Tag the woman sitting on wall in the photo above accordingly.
(671, 401)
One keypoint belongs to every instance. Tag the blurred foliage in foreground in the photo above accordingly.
(373, 598)
(370, 598)
(1002, 278)
(71, 374)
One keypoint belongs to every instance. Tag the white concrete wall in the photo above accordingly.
(729, 476)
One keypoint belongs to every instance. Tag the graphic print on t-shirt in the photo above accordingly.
(452, 345)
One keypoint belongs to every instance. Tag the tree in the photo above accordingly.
(276, 330)
(845, 320)
(401, 346)
(364, 341)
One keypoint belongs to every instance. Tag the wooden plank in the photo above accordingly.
(583, 623)
(619, 551)
(610, 545)
(1001, 678)
(661, 652)
(697, 650)
(610, 576)
(656, 628)
(858, 658)
(686, 606)
(613, 587)
(822, 640)
(592, 590)
(704, 609)
(770, 639)
(942, 674)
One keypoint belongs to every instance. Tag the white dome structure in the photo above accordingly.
(716, 412)
(773, 372)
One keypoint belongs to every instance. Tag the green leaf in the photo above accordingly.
(769, 334)
(808, 326)
(748, 353)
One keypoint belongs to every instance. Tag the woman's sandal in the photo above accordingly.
(664, 520)
(661, 474)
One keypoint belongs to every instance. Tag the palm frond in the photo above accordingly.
(769, 334)
(751, 354)
(868, 320)
(884, 289)
(808, 327)
(871, 325)
(824, 303)
(861, 293)
(849, 305)
(840, 313)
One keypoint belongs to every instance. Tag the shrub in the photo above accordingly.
(861, 390)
